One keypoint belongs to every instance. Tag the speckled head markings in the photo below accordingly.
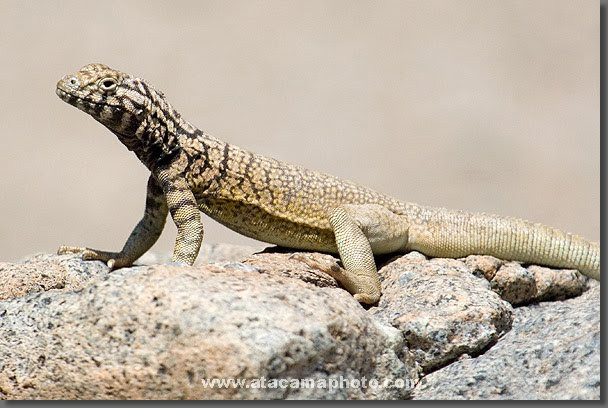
(284, 204)
(130, 107)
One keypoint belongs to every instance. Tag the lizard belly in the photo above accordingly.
(254, 222)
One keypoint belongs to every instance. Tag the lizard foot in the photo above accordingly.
(321, 262)
(358, 285)
(114, 260)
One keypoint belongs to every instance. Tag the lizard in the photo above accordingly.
(284, 204)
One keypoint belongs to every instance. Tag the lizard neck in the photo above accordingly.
(157, 138)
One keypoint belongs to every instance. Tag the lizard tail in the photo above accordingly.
(449, 233)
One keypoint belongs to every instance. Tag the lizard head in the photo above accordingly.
(104, 93)
(127, 105)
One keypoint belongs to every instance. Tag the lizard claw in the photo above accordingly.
(322, 262)
(67, 250)
(112, 259)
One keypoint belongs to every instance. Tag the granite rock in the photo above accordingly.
(441, 308)
(158, 332)
(71, 329)
(520, 285)
(551, 352)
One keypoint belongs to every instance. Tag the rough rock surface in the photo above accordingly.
(551, 352)
(43, 272)
(71, 329)
(441, 308)
(520, 285)
(158, 332)
(209, 253)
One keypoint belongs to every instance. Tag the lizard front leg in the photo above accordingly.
(185, 213)
(144, 235)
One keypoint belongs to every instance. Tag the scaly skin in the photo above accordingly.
(287, 205)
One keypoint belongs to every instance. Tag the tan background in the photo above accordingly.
(479, 105)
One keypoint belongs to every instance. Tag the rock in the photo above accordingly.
(42, 272)
(442, 310)
(514, 284)
(551, 352)
(521, 285)
(293, 265)
(209, 253)
(70, 329)
(483, 266)
(557, 284)
(157, 332)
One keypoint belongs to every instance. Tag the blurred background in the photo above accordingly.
(471, 104)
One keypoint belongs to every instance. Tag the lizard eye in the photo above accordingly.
(107, 84)
(73, 81)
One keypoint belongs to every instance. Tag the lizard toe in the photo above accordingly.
(66, 250)
(366, 298)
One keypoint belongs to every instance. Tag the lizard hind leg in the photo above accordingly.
(362, 231)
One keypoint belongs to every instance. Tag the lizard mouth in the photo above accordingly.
(64, 95)
(83, 103)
